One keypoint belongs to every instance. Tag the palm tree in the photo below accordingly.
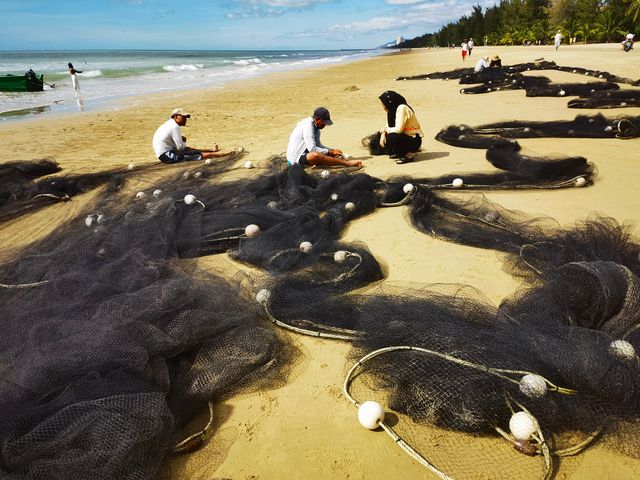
(570, 26)
(586, 30)
(608, 25)
(634, 9)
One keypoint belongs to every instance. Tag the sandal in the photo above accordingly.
(402, 160)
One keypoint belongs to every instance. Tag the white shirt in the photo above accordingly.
(470, 43)
(558, 37)
(465, 47)
(481, 65)
(306, 136)
(168, 137)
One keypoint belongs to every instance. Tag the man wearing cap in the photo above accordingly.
(482, 64)
(304, 143)
(169, 144)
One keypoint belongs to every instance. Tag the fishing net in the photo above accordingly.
(114, 338)
(583, 126)
(616, 99)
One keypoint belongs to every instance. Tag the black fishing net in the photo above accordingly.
(583, 126)
(617, 99)
(468, 76)
(114, 338)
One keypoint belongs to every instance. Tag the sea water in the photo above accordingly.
(108, 76)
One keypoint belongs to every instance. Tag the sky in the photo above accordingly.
(220, 24)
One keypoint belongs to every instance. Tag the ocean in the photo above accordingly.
(108, 76)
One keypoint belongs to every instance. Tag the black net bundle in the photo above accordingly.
(110, 343)
(583, 126)
(615, 99)
(467, 75)
(568, 89)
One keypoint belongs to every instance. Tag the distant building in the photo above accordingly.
(399, 40)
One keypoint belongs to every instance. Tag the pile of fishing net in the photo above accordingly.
(114, 338)
(583, 126)
(610, 99)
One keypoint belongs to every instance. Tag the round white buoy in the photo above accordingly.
(497, 88)
(190, 199)
(197, 174)
(272, 204)
(334, 197)
(571, 132)
(622, 350)
(370, 414)
(623, 104)
(491, 216)
(88, 221)
(306, 247)
(240, 149)
(185, 175)
(522, 425)
(580, 182)
(325, 174)
(157, 193)
(408, 188)
(461, 137)
(263, 296)
(131, 166)
(533, 385)
(251, 230)
(574, 71)
(462, 128)
(457, 183)
(248, 164)
(340, 256)
(207, 161)
(101, 218)
(350, 207)
(140, 195)
(526, 129)
(462, 90)
(608, 128)
(562, 93)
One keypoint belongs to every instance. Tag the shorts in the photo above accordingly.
(173, 156)
(303, 161)
(464, 53)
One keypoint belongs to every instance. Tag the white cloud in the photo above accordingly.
(425, 16)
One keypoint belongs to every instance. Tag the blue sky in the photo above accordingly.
(219, 24)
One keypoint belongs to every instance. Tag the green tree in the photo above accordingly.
(608, 26)
(587, 30)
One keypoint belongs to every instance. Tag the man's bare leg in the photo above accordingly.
(317, 158)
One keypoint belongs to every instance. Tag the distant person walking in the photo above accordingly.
(558, 39)
(464, 49)
(169, 144)
(304, 146)
(74, 77)
(470, 46)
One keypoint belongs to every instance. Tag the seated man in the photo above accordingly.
(482, 64)
(304, 143)
(495, 61)
(170, 147)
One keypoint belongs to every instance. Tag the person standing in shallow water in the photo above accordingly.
(74, 77)
(403, 135)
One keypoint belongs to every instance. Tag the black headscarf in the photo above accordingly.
(392, 100)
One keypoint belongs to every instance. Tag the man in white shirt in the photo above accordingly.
(482, 64)
(169, 144)
(470, 46)
(558, 39)
(304, 143)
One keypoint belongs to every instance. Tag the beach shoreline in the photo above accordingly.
(306, 428)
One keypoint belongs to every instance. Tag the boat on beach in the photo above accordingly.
(29, 82)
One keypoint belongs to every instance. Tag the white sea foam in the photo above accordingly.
(182, 68)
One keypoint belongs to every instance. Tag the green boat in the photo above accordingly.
(29, 82)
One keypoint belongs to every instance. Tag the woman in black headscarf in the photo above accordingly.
(402, 136)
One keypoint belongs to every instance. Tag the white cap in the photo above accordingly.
(181, 112)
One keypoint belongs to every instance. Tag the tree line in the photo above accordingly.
(523, 22)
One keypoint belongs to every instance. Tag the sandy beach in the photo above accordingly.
(306, 429)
